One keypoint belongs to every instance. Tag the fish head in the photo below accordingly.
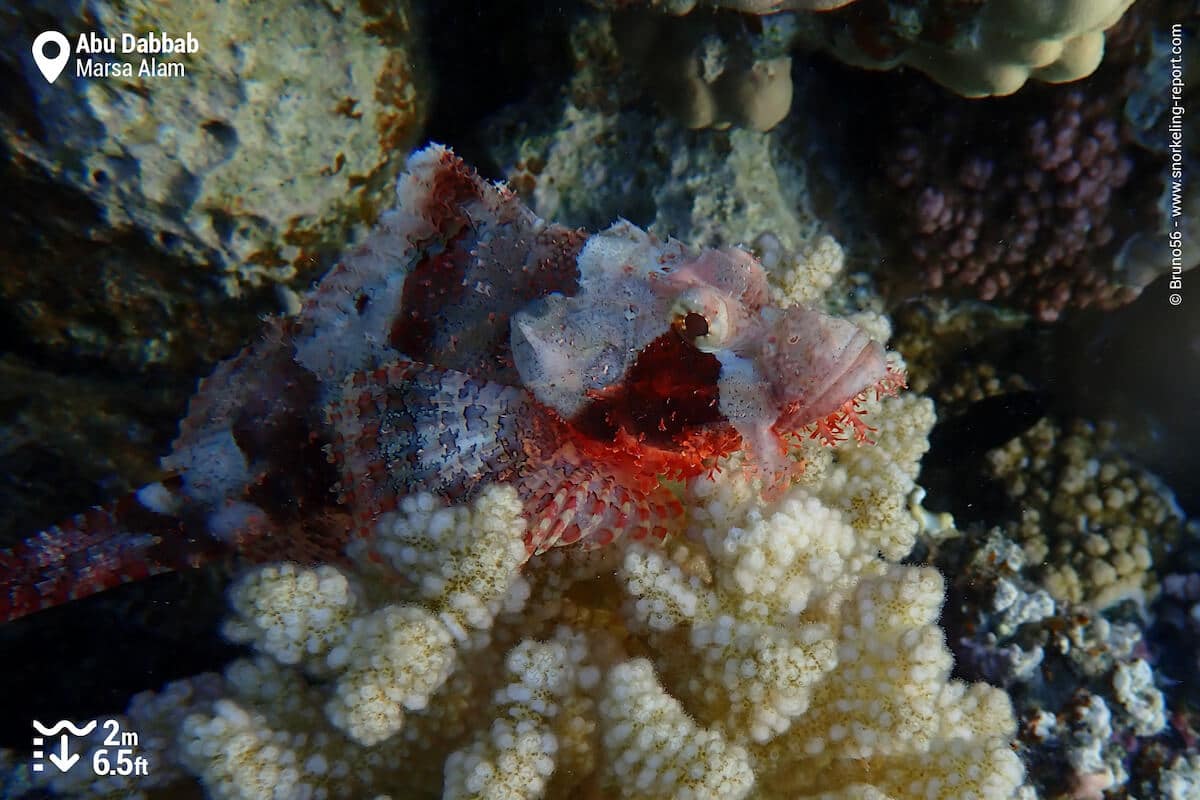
(668, 347)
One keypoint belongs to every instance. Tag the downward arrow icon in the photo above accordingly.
(63, 759)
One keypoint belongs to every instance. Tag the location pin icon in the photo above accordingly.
(51, 67)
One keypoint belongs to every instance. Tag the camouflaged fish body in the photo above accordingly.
(468, 342)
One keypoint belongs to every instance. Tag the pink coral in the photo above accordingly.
(1019, 210)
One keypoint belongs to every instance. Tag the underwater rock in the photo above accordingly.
(151, 220)
(594, 156)
(235, 165)
(1147, 111)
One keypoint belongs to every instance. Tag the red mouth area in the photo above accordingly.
(665, 418)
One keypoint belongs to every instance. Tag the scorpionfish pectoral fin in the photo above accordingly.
(132, 538)
(410, 427)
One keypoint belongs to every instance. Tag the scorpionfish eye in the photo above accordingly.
(695, 325)
(701, 316)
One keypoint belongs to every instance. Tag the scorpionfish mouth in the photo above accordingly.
(665, 417)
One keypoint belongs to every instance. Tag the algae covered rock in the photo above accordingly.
(253, 155)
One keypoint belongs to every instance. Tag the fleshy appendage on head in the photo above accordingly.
(813, 372)
(674, 359)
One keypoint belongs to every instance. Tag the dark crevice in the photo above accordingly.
(496, 54)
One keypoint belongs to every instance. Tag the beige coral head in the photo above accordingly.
(759, 6)
(996, 47)
(795, 5)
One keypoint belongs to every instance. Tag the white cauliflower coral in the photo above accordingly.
(655, 750)
(775, 650)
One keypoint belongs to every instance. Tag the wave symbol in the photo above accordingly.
(65, 723)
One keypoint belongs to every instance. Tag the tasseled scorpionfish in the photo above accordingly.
(468, 342)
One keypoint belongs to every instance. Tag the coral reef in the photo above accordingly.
(1069, 579)
(1080, 682)
(1030, 225)
(1055, 605)
(526, 509)
(1069, 587)
(721, 643)
(1008, 200)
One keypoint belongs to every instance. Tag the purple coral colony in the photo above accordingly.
(612, 398)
